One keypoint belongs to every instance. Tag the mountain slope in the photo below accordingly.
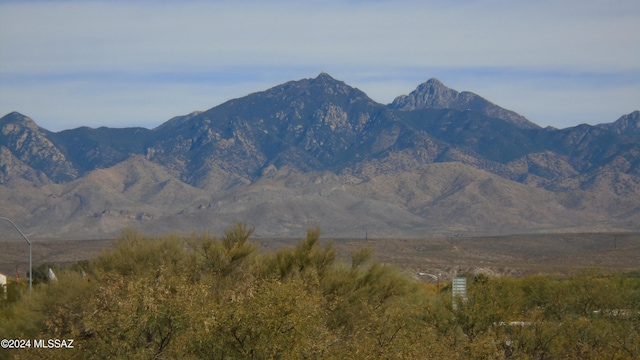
(308, 124)
(626, 125)
(31, 144)
(435, 95)
(130, 193)
(319, 152)
(89, 148)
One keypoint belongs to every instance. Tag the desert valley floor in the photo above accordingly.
(504, 255)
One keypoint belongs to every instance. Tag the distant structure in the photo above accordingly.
(3, 284)
(52, 276)
(459, 290)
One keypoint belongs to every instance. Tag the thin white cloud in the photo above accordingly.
(59, 59)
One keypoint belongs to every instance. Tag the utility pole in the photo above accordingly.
(28, 242)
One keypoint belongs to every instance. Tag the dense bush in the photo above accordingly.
(219, 298)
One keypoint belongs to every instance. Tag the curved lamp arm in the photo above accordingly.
(28, 242)
(435, 277)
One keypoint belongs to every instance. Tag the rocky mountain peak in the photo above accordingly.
(14, 120)
(435, 87)
(433, 94)
(324, 76)
(332, 87)
(17, 129)
(626, 125)
(31, 144)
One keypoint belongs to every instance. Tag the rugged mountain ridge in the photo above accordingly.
(627, 125)
(433, 94)
(319, 152)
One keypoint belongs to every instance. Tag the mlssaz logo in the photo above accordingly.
(54, 344)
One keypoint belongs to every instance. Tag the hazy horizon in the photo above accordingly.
(118, 64)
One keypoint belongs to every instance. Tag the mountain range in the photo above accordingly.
(320, 152)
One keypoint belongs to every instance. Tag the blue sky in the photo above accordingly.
(139, 63)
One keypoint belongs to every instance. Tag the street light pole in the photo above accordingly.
(28, 242)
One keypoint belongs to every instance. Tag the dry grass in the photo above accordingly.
(508, 255)
(512, 255)
(59, 252)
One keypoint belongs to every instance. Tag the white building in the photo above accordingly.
(3, 283)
